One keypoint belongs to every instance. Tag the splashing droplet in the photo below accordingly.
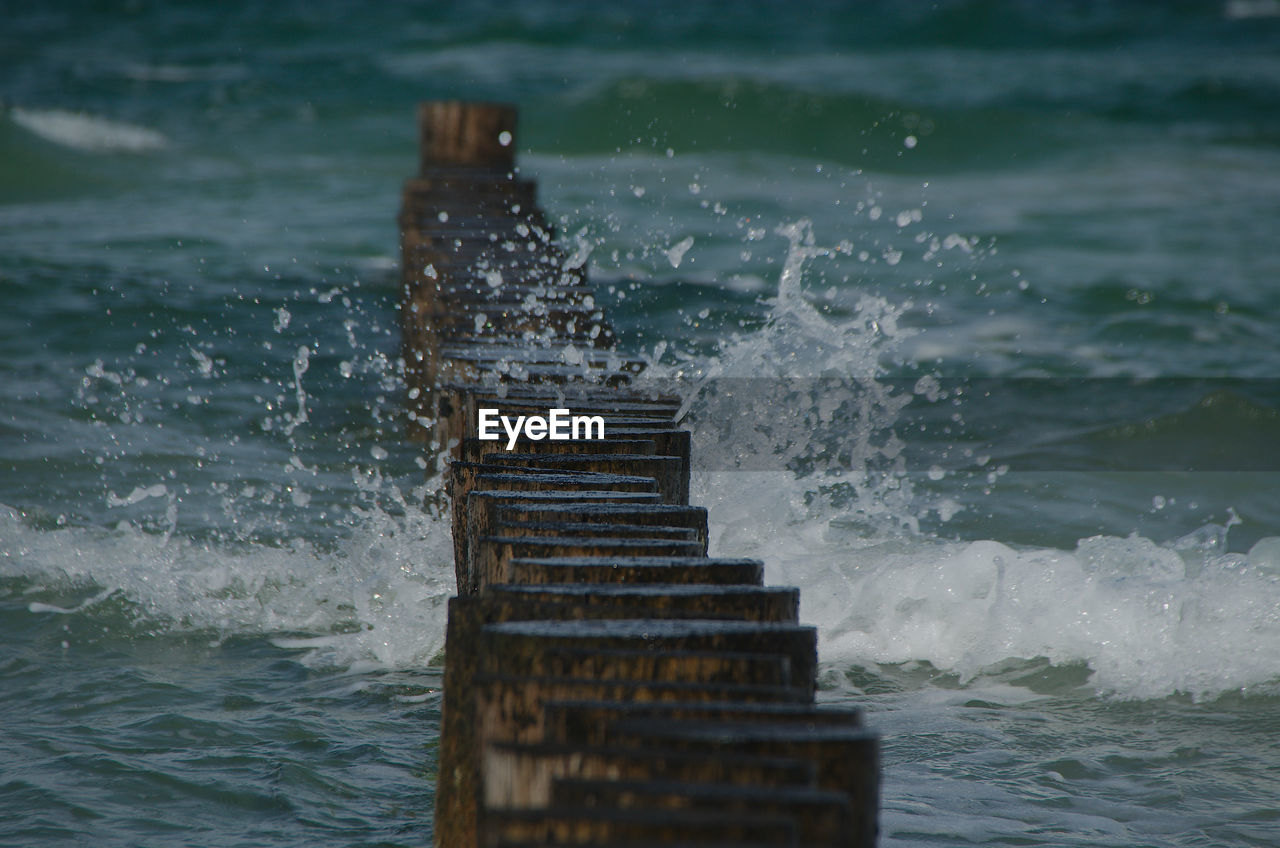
(675, 254)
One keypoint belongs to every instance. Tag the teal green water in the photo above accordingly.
(974, 301)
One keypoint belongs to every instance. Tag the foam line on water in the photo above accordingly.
(1148, 620)
(92, 133)
(378, 599)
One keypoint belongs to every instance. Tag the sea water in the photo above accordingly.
(972, 303)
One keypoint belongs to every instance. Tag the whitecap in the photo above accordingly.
(1237, 10)
(82, 131)
(1148, 620)
(185, 73)
(376, 601)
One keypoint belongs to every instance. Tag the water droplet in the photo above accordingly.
(675, 254)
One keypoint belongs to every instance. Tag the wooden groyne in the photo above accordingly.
(606, 681)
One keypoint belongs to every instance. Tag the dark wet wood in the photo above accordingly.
(461, 134)
(606, 681)
(823, 817)
(670, 473)
(475, 519)
(477, 450)
(597, 827)
(491, 559)
(576, 601)
(522, 775)
(458, 783)
(524, 645)
(586, 529)
(845, 759)
(469, 524)
(636, 570)
(590, 722)
(665, 515)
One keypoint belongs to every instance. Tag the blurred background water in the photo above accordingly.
(998, 278)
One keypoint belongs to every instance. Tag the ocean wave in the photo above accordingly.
(91, 133)
(378, 600)
(176, 73)
(1239, 10)
(1145, 620)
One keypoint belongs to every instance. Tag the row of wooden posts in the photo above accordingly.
(606, 681)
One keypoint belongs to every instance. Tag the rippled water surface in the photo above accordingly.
(973, 303)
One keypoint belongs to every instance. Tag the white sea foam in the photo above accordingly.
(1147, 619)
(88, 132)
(801, 394)
(172, 73)
(1246, 9)
(378, 599)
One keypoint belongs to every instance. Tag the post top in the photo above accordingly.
(463, 134)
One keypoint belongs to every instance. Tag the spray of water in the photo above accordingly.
(810, 479)
(222, 488)
(801, 397)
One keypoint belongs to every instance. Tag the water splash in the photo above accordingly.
(212, 480)
(300, 365)
(1145, 620)
(676, 253)
(378, 597)
(811, 480)
(801, 395)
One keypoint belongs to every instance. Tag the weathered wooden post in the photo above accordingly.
(606, 681)
(462, 134)
(462, 150)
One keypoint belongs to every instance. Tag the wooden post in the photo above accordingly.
(522, 775)
(458, 134)
(606, 681)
